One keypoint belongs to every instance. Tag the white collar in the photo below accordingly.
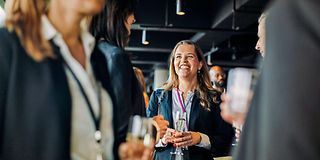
(50, 33)
(2, 16)
(2, 13)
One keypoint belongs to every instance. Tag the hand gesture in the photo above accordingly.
(161, 124)
(184, 139)
(168, 137)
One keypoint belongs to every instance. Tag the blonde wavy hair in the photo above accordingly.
(204, 89)
(24, 18)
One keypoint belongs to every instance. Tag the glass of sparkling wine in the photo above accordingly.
(140, 131)
(239, 93)
(180, 123)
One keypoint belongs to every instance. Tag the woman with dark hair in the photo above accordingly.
(55, 99)
(111, 28)
(113, 24)
(189, 90)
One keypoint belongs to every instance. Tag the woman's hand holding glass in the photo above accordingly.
(181, 139)
(185, 139)
(168, 137)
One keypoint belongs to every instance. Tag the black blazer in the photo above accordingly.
(201, 120)
(124, 84)
(35, 102)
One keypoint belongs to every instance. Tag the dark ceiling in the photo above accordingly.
(225, 29)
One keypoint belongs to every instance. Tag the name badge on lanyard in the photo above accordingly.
(183, 107)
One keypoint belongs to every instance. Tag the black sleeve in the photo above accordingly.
(128, 100)
(127, 89)
(6, 42)
(222, 135)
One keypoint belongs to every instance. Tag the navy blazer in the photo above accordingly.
(201, 120)
(35, 102)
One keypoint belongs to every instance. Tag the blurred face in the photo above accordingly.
(186, 63)
(130, 20)
(83, 7)
(260, 46)
(217, 76)
(7, 4)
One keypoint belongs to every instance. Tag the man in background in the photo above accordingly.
(260, 47)
(218, 78)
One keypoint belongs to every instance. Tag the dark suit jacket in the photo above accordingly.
(35, 102)
(284, 119)
(124, 84)
(201, 120)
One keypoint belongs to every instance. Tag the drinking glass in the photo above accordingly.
(140, 130)
(180, 126)
(239, 93)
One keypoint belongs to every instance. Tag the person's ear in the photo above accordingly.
(200, 66)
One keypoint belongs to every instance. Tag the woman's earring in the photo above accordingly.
(199, 71)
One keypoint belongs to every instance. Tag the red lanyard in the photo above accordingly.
(183, 108)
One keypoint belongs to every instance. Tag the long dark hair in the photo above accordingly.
(109, 24)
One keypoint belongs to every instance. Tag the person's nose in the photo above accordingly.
(258, 47)
(184, 58)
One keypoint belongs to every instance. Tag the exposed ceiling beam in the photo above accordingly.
(197, 37)
(233, 64)
(143, 49)
(148, 62)
(183, 30)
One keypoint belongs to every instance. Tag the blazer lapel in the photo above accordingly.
(194, 113)
(166, 107)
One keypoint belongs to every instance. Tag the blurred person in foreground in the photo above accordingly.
(111, 29)
(55, 97)
(189, 90)
(260, 47)
(283, 118)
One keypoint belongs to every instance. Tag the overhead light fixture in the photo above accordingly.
(209, 60)
(144, 37)
(179, 9)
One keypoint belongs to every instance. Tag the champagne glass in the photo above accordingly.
(239, 93)
(140, 130)
(180, 126)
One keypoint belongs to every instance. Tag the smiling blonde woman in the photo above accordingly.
(188, 90)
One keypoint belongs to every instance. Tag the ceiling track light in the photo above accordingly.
(144, 39)
(179, 9)
(209, 60)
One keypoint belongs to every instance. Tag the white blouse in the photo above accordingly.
(83, 143)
